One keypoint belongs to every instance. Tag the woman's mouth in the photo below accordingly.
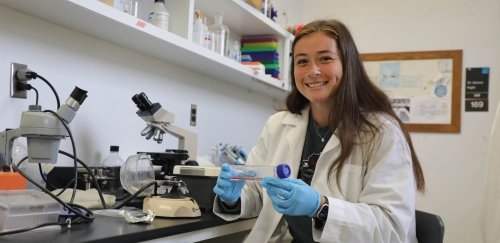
(315, 85)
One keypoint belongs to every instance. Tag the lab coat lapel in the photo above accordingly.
(330, 145)
(296, 137)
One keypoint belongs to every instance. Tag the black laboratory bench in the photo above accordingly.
(116, 229)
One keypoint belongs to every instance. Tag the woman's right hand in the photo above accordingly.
(228, 191)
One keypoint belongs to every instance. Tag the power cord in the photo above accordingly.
(75, 163)
(26, 86)
(26, 74)
(98, 188)
(129, 198)
(69, 206)
(31, 228)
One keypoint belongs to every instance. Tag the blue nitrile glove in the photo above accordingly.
(228, 191)
(292, 196)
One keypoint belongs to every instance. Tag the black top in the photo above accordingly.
(301, 226)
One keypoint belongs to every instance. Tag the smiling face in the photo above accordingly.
(317, 68)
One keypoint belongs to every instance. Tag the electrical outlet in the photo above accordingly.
(192, 119)
(15, 82)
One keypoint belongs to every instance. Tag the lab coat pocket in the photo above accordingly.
(351, 182)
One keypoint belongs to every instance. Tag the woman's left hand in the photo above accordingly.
(292, 196)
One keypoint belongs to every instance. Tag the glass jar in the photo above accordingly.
(220, 35)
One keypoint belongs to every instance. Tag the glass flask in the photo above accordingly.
(136, 172)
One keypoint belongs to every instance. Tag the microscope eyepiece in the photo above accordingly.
(142, 102)
(79, 94)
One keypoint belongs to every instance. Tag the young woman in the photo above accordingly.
(355, 171)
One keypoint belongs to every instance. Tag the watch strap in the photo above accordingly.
(322, 215)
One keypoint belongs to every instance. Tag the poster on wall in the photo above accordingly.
(424, 87)
(476, 89)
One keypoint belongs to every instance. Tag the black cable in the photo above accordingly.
(26, 86)
(128, 199)
(74, 150)
(36, 95)
(44, 178)
(64, 188)
(98, 188)
(34, 75)
(89, 218)
(28, 229)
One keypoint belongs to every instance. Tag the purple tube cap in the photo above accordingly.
(283, 171)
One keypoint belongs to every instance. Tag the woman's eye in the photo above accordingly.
(325, 58)
(301, 62)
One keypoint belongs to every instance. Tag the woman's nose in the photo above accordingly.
(315, 71)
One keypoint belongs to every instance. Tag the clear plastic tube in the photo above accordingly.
(257, 173)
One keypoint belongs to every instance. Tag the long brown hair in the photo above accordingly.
(356, 95)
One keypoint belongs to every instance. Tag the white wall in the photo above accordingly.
(112, 75)
(454, 164)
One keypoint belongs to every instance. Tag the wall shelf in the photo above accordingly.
(104, 22)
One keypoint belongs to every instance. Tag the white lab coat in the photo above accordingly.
(375, 202)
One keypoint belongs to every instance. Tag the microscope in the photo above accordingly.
(43, 130)
(159, 121)
(173, 203)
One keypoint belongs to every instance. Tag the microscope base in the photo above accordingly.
(172, 207)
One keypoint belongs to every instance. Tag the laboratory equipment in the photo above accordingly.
(230, 154)
(108, 174)
(201, 181)
(173, 203)
(43, 130)
(137, 172)
(160, 16)
(113, 159)
(131, 7)
(234, 51)
(21, 209)
(257, 173)
(160, 122)
(220, 36)
(164, 162)
(198, 29)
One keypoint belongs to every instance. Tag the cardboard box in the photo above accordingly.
(257, 4)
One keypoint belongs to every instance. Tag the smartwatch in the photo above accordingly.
(321, 216)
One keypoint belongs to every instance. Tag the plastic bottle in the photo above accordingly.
(220, 35)
(113, 159)
(198, 29)
(160, 16)
(257, 173)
